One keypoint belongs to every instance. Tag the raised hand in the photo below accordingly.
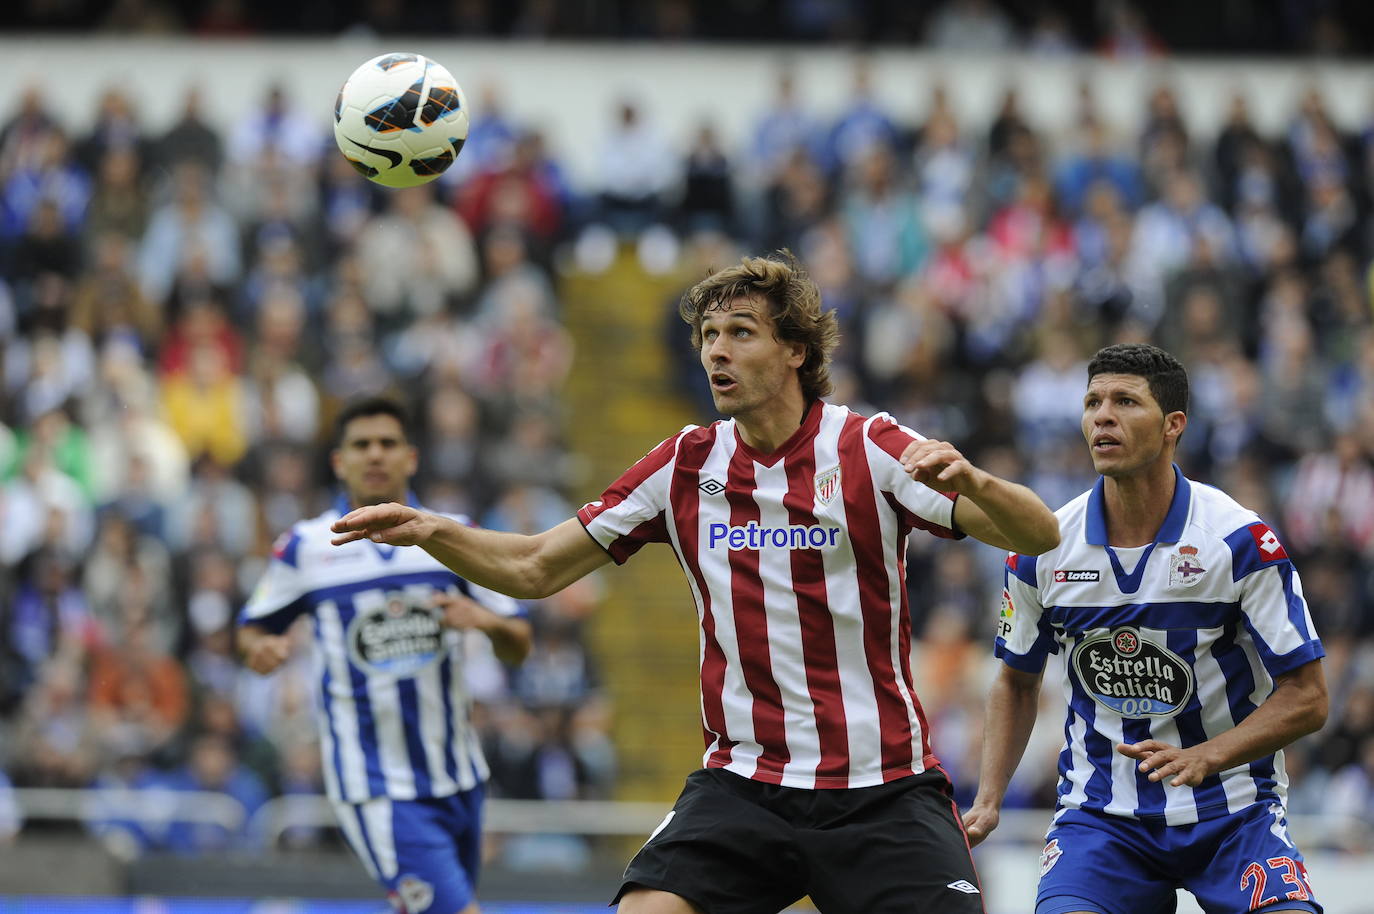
(391, 523)
(940, 465)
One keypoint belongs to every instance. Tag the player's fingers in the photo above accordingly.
(954, 468)
(351, 536)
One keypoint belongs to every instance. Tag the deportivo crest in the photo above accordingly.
(827, 484)
(1050, 856)
(1184, 568)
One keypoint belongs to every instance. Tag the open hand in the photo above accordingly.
(1188, 766)
(939, 464)
(391, 523)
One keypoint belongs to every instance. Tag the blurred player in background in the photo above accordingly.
(1191, 662)
(790, 520)
(401, 761)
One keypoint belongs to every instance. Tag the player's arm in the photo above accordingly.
(1007, 725)
(261, 650)
(1000, 513)
(511, 636)
(1295, 708)
(525, 567)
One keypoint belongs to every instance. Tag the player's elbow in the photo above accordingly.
(1043, 538)
(1315, 710)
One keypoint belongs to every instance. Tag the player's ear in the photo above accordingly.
(1174, 424)
(414, 460)
(336, 463)
(797, 357)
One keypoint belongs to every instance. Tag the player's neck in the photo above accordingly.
(767, 428)
(359, 501)
(1136, 505)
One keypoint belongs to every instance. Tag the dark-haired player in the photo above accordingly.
(1191, 662)
(790, 520)
(402, 763)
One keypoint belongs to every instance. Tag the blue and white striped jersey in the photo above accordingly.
(1178, 640)
(393, 707)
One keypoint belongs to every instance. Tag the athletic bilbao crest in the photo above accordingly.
(827, 484)
(1184, 568)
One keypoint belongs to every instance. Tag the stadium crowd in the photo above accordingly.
(182, 314)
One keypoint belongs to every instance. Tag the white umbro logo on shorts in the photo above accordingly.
(963, 885)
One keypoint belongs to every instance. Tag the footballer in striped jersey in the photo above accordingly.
(790, 519)
(402, 762)
(1190, 662)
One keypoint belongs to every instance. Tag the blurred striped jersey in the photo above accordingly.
(393, 706)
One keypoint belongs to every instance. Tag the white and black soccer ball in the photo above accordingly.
(401, 119)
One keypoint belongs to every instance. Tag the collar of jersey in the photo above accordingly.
(811, 421)
(343, 505)
(1171, 531)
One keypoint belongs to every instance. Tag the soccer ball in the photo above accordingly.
(401, 119)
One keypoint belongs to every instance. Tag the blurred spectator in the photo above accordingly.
(971, 26)
(417, 259)
(192, 226)
(635, 170)
(138, 693)
(275, 129)
(191, 139)
(212, 766)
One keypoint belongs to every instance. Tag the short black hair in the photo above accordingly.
(378, 405)
(1165, 374)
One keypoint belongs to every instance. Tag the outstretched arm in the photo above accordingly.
(991, 509)
(1010, 718)
(525, 567)
(1295, 708)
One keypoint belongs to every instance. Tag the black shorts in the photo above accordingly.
(736, 846)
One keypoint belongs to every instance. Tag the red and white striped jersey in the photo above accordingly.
(796, 560)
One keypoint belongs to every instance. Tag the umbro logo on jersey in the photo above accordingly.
(1072, 576)
(712, 486)
(963, 885)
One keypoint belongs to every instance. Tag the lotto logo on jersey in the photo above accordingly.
(1076, 576)
(1270, 549)
(755, 536)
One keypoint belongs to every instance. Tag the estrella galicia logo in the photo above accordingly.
(398, 638)
(1131, 675)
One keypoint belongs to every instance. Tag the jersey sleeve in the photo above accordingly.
(280, 594)
(1271, 600)
(633, 511)
(1025, 638)
(924, 508)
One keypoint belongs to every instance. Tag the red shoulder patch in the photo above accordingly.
(1270, 549)
(280, 544)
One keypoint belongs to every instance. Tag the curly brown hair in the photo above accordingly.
(794, 302)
